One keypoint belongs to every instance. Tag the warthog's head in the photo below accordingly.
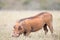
(18, 29)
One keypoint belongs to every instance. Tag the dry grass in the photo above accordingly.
(8, 19)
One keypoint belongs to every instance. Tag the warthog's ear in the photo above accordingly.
(23, 25)
(13, 26)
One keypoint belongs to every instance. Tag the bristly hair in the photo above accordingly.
(25, 19)
(30, 17)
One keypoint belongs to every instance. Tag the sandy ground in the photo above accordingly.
(8, 19)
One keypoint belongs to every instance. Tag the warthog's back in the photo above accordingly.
(38, 21)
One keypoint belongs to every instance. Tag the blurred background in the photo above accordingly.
(29, 4)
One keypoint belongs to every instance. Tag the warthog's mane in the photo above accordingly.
(30, 17)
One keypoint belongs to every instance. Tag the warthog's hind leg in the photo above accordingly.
(45, 28)
(50, 27)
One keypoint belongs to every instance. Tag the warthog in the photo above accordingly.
(33, 24)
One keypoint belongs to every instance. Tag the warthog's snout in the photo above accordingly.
(15, 35)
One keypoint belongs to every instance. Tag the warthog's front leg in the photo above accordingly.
(27, 33)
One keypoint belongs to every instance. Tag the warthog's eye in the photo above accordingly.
(19, 28)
